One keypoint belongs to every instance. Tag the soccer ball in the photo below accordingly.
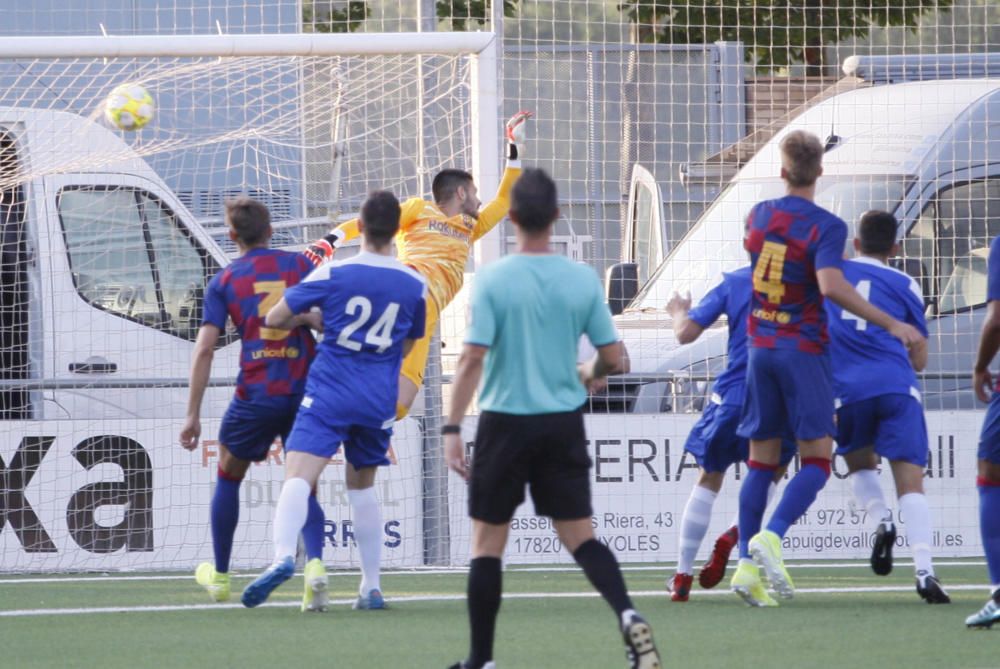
(129, 107)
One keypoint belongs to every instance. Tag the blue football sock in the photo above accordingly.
(225, 516)
(312, 531)
(989, 526)
(753, 501)
(799, 495)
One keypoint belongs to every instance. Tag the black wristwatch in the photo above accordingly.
(451, 429)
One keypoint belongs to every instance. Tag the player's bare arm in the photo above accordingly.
(989, 343)
(201, 369)
(685, 329)
(609, 359)
(467, 376)
(280, 316)
(313, 320)
(918, 354)
(835, 287)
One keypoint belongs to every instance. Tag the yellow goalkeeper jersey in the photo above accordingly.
(437, 245)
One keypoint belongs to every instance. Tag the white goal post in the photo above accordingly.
(95, 360)
(485, 94)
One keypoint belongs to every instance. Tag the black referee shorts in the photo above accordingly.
(547, 452)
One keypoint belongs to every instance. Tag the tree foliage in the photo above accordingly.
(774, 33)
(347, 16)
(332, 19)
(458, 14)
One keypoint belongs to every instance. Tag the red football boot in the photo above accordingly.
(712, 571)
(679, 587)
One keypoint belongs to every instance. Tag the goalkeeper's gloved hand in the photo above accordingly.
(515, 135)
(323, 249)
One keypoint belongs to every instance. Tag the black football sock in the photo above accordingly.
(603, 572)
(484, 592)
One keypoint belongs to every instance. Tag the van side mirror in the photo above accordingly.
(621, 285)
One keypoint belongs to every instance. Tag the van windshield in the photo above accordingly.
(715, 244)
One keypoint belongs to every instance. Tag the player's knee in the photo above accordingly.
(711, 480)
(988, 474)
(822, 464)
(228, 475)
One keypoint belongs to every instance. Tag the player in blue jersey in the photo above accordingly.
(797, 250)
(374, 308)
(713, 441)
(273, 366)
(878, 398)
(988, 479)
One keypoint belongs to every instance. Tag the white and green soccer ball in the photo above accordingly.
(129, 107)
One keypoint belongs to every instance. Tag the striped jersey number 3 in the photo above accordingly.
(768, 270)
(864, 289)
(378, 335)
(271, 293)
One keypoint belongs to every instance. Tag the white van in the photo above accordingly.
(927, 151)
(103, 277)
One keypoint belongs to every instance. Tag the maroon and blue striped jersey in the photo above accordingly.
(273, 362)
(789, 239)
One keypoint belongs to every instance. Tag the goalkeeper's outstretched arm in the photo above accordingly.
(323, 249)
(495, 211)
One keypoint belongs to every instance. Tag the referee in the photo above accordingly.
(528, 311)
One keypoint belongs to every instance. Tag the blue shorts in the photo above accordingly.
(788, 391)
(989, 438)
(893, 424)
(316, 435)
(249, 428)
(715, 445)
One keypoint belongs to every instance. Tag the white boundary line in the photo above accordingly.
(666, 569)
(26, 613)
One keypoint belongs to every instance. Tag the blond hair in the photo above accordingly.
(802, 158)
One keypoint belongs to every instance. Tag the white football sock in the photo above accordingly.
(771, 490)
(290, 516)
(917, 513)
(868, 492)
(368, 533)
(694, 525)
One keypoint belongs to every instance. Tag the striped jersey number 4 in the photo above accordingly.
(378, 335)
(864, 289)
(768, 271)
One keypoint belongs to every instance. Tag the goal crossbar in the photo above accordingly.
(481, 46)
(302, 44)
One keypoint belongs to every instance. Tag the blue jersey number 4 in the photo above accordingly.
(864, 289)
(378, 335)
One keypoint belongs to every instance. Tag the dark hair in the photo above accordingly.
(802, 157)
(877, 232)
(250, 219)
(380, 214)
(534, 200)
(447, 182)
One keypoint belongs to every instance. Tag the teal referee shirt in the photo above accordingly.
(530, 311)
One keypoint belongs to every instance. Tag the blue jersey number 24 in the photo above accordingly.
(380, 332)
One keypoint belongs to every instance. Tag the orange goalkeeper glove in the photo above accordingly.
(515, 134)
(323, 249)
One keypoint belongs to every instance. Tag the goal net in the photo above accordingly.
(658, 121)
(108, 240)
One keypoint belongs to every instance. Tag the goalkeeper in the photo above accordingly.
(434, 238)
